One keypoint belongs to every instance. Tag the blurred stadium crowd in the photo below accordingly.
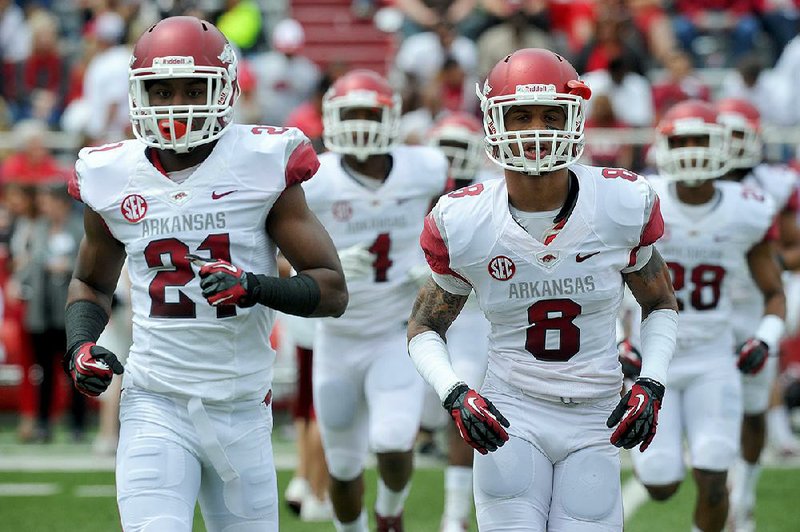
(64, 84)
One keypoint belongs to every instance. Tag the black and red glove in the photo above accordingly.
(479, 422)
(637, 415)
(630, 358)
(92, 367)
(222, 282)
(752, 356)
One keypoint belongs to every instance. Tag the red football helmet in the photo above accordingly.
(460, 137)
(691, 164)
(360, 89)
(174, 48)
(533, 76)
(742, 122)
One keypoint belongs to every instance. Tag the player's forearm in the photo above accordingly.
(333, 296)
(310, 293)
(429, 354)
(658, 337)
(775, 304)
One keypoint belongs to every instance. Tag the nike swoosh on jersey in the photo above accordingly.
(581, 258)
(215, 195)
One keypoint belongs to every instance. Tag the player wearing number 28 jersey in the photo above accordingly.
(198, 206)
(713, 229)
(547, 251)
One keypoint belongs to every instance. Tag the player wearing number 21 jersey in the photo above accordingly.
(199, 207)
(713, 228)
(547, 251)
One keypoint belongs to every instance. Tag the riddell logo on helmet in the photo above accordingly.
(173, 60)
(535, 87)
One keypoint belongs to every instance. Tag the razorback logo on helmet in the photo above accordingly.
(227, 56)
(502, 268)
(133, 208)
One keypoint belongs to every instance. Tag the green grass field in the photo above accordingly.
(84, 501)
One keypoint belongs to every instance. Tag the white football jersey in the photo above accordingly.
(388, 221)
(182, 345)
(552, 306)
(703, 252)
(779, 183)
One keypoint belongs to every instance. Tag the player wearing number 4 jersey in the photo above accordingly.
(372, 196)
(713, 228)
(547, 251)
(199, 207)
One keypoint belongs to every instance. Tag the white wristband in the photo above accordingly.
(770, 330)
(658, 333)
(430, 356)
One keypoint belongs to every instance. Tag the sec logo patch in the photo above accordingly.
(502, 268)
(133, 208)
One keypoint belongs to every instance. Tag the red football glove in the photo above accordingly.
(92, 367)
(222, 282)
(479, 422)
(752, 356)
(637, 415)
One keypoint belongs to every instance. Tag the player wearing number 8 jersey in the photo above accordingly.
(713, 228)
(547, 251)
(372, 196)
(198, 206)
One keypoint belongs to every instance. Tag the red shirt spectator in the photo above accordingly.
(32, 163)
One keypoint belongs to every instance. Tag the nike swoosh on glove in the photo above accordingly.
(92, 368)
(357, 263)
(479, 422)
(752, 356)
(222, 282)
(637, 415)
(630, 358)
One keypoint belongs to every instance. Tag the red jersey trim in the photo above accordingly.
(653, 230)
(793, 205)
(435, 249)
(154, 158)
(774, 232)
(74, 186)
(303, 163)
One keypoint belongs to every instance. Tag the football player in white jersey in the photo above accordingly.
(198, 205)
(547, 251)
(460, 137)
(372, 195)
(741, 120)
(713, 227)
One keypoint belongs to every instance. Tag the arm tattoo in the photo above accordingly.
(651, 285)
(435, 309)
(652, 270)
